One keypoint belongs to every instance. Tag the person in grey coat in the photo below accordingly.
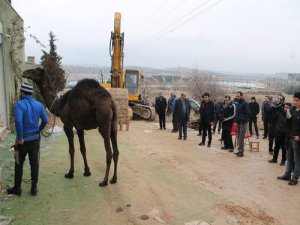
(182, 115)
(242, 118)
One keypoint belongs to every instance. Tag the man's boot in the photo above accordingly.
(14, 191)
(33, 190)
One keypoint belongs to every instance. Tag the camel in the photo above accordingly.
(86, 106)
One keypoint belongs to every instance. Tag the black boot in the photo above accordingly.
(33, 190)
(14, 191)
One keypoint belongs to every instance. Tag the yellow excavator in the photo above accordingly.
(126, 78)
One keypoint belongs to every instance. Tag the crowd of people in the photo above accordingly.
(281, 124)
(281, 121)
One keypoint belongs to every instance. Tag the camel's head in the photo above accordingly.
(36, 75)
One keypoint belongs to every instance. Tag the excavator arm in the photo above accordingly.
(116, 52)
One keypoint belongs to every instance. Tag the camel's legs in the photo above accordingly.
(113, 136)
(80, 134)
(105, 133)
(70, 136)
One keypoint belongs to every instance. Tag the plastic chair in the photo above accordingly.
(233, 133)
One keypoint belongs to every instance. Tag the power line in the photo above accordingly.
(176, 21)
(148, 18)
(163, 17)
(171, 30)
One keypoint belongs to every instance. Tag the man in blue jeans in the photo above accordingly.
(28, 111)
(292, 171)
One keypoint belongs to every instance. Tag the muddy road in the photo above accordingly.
(161, 180)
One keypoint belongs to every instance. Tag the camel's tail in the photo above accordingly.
(114, 122)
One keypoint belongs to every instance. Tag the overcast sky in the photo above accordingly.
(229, 35)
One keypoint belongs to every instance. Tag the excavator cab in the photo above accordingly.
(132, 83)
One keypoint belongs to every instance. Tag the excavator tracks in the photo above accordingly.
(143, 112)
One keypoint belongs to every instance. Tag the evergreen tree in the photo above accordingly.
(51, 62)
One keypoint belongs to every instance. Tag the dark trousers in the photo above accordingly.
(174, 121)
(182, 127)
(279, 143)
(206, 128)
(33, 150)
(200, 128)
(241, 131)
(293, 159)
(226, 134)
(254, 121)
(271, 142)
(266, 127)
(162, 120)
(219, 123)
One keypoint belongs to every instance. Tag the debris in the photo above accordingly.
(64, 210)
(196, 222)
(128, 205)
(144, 217)
(154, 215)
(57, 130)
(232, 220)
(120, 209)
(152, 153)
(158, 219)
(147, 131)
(5, 220)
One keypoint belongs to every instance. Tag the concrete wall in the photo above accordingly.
(8, 83)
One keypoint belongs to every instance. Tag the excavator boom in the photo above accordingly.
(128, 78)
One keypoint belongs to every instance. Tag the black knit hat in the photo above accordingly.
(253, 98)
(297, 95)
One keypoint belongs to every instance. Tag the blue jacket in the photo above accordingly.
(28, 111)
(172, 103)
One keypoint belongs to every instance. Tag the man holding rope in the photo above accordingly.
(28, 111)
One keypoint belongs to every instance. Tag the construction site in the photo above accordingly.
(103, 156)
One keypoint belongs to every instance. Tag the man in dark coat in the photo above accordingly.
(292, 172)
(207, 118)
(160, 109)
(281, 133)
(182, 115)
(254, 110)
(218, 110)
(228, 115)
(170, 110)
(242, 118)
(272, 120)
(264, 111)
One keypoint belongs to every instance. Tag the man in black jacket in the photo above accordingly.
(218, 109)
(182, 115)
(207, 112)
(254, 110)
(242, 118)
(160, 109)
(228, 115)
(264, 110)
(281, 133)
(272, 120)
(292, 171)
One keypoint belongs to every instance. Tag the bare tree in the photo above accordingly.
(202, 82)
(146, 90)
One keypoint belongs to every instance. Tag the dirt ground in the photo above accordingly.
(161, 180)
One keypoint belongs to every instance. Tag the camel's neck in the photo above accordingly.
(51, 100)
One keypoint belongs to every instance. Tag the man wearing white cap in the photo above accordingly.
(28, 111)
